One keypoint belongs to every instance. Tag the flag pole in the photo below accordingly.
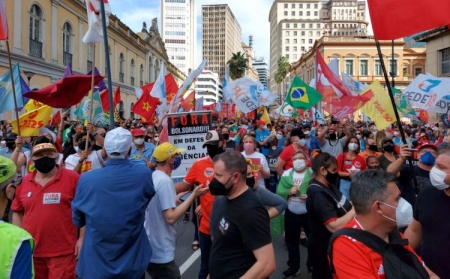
(108, 65)
(91, 106)
(13, 87)
(397, 116)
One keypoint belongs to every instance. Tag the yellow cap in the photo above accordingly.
(166, 150)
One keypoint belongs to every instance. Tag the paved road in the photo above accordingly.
(189, 261)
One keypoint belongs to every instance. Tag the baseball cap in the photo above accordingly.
(7, 169)
(427, 145)
(117, 143)
(212, 138)
(46, 130)
(10, 136)
(386, 140)
(42, 147)
(166, 150)
(137, 133)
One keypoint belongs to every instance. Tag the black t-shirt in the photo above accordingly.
(432, 209)
(231, 144)
(238, 227)
(324, 204)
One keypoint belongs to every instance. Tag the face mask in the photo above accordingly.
(77, 149)
(176, 163)
(213, 150)
(226, 136)
(373, 147)
(299, 164)
(403, 213)
(437, 178)
(249, 147)
(279, 136)
(427, 159)
(332, 177)
(44, 164)
(358, 137)
(396, 134)
(11, 145)
(156, 139)
(250, 181)
(333, 136)
(389, 148)
(353, 146)
(274, 147)
(307, 134)
(373, 167)
(138, 141)
(217, 188)
(302, 142)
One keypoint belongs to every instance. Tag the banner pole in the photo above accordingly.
(13, 87)
(91, 105)
(397, 116)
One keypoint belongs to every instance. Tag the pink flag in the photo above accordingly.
(3, 22)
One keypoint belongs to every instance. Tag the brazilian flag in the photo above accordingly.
(301, 95)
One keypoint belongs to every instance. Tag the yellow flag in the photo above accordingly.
(379, 108)
(32, 105)
(265, 116)
(32, 121)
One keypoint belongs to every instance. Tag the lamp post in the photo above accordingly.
(29, 75)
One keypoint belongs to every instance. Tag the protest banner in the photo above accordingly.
(188, 130)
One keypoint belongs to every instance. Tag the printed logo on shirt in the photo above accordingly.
(87, 166)
(31, 167)
(381, 270)
(209, 172)
(223, 226)
(357, 165)
(52, 198)
(297, 182)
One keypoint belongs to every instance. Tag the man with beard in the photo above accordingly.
(201, 173)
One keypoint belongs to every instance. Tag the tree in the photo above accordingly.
(282, 71)
(238, 65)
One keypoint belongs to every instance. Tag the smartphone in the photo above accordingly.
(185, 196)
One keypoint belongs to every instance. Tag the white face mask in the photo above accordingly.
(77, 149)
(396, 133)
(353, 146)
(156, 139)
(403, 213)
(279, 136)
(358, 137)
(437, 177)
(299, 164)
(302, 142)
(138, 141)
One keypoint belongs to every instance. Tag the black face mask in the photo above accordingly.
(373, 167)
(11, 145)
(45, 164)
(250, 181)
(226, 136)
(333, 136)
(213, 150)
(373, 147)
(332, 177)
(389, 148)
(217, 188)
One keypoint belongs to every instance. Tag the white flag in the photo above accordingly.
(159, 90)
(427, 93)
(352, 84)
(317, 116)
(95, 31)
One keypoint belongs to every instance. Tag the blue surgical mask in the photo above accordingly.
(177, 162)
(428, 159)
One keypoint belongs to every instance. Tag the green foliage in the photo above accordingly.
(238, 65)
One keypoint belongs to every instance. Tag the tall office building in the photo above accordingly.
(179, 32)
(260, 64)
(295, 25)
(221, 36)
(208, 86)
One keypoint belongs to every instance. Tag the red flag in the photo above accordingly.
(164, 135)
(423, 115)
(346, 105)
(3, 22)
(56, 119)
(188, 102)
(64, 93)
(104, 96)
(401, 18)
(171, 87)
(146, 106)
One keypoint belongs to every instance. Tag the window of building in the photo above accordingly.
(310, 41)
(308, 13)
(302, 41)
(310, 25)
(444, 57)
(293, 6)
(90, 56)
(287, 56)
(308, 6)
(287, 41)
(295, 25)
(35, 35)
(377, 70)
(293, 13)
(418, 71)
(349, 67)
(287, 48)
(287, 33)
(300, 13)
(295, 41)
(285, 6)
(316, 6)
(295, 56)
(318, 33)
(295, 33)
(310, 33)
(393, 66)
(302, 48)
(295, 48)
(316, 13)
(121, 67)
(132, 66)
(363, 67)
(285, 13)
(318, 25)
(300, 6)
(141, 75)
(287, 25)
(303, 33)
(303, 25)
(67, 44)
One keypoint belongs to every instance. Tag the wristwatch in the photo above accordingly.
(80, 161)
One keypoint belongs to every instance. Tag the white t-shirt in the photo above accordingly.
(161, 235)
(260, 160)
(94, 161)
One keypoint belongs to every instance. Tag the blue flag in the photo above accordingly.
(6, 90)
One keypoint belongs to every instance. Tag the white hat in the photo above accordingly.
(118, 143)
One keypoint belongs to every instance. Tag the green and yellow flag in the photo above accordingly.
(301, 95)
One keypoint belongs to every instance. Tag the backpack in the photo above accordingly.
(398, 262)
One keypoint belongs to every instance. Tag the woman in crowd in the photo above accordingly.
(389, 155)
(328, 211)
(272, 157)
(261, 168)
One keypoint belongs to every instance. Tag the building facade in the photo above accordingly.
(438, 51)
(208, 86)
(260, 64)
(45, 36)
(221, 37)
(250, 72)
(296, 24)
(179, 32)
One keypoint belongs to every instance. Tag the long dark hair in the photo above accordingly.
(348, 141)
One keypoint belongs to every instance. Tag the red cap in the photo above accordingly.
(137, 133)
(242, 131)
(429, 145)
(260, 122)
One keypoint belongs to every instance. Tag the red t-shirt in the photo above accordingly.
(286, 155)
(47, 213)
(358, 163)
(202, 172)
(352, 259)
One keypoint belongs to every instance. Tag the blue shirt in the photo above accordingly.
(261, 136)
(111, 203)
(138, 158)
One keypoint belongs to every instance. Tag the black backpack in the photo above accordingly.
(398, 262)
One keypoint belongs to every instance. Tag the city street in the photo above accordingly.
(189, 261)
